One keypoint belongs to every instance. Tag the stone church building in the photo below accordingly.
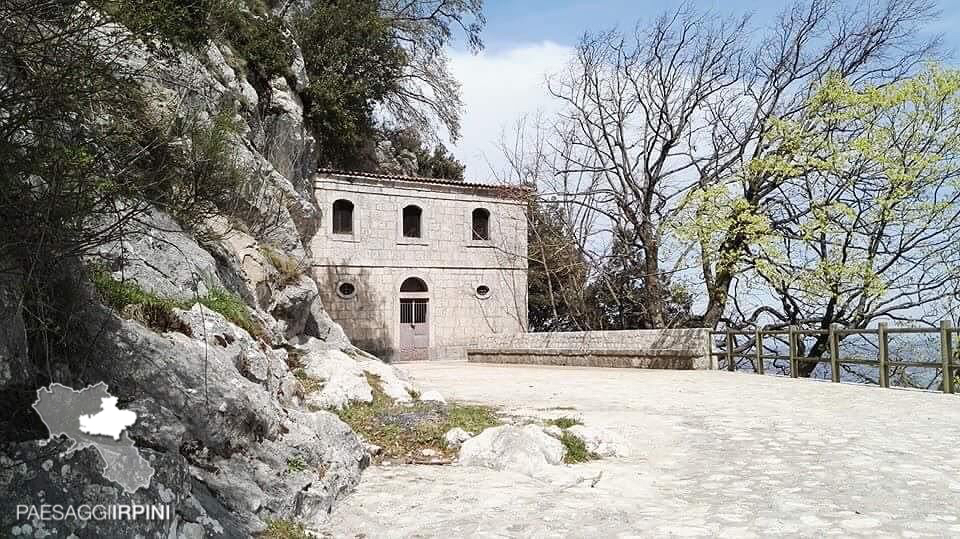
(420, 268)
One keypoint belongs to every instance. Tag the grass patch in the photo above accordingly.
(156, 312)
(284, 529)
(564, 422)
(470, 417)
(402, 431)
(119, 294)
(288, 269)
(233, 309)
(576, 449)
(133, 302)
(296, 464)
(414, 394)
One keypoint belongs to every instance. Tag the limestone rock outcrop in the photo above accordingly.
(344, 378)
(222, 416)
(527, 450)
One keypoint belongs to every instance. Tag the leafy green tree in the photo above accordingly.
(864, 224)
(353, 62)
(683, 104)
(439, 163)
(381, 63)
(185, 23)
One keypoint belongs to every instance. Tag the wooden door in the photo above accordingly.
(414, 329)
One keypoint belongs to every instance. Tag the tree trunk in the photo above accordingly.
(651, 280)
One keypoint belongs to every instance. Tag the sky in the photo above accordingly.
(526, 40)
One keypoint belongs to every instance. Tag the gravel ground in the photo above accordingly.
(714, 454)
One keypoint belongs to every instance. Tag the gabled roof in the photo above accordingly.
(504, 191)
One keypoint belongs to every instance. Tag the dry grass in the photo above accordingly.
(284, 529)
(404, 430)
(309, 384)
(564, 422)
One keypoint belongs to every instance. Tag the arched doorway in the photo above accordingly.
(414, 319)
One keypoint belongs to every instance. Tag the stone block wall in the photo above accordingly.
(457, 317)
(661, 349)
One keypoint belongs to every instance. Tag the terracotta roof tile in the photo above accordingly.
(506, 191)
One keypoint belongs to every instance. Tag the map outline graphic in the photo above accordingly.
(60, 408)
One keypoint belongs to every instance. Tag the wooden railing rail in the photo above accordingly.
(948, 365)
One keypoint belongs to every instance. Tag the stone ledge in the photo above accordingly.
(600, 358)
(646, 349)
(665, 352)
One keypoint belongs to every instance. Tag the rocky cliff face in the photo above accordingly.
(221, 416)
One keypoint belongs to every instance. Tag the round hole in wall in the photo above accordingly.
(483, 291)
(346, 290)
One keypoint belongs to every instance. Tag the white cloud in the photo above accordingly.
(497, 89)
(109, 421)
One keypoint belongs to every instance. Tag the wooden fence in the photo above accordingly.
(948, 364)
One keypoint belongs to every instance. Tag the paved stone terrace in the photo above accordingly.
(716, 454)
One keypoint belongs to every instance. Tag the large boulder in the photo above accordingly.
(527, 450)
(298, 475)
(344, 379)
(252, 358)
(336, 451)
(291, 305)
(322, 329)
(202, 384)
(216, 397)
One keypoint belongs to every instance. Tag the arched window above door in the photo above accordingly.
(413, 284)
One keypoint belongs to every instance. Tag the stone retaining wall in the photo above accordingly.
(649, 349)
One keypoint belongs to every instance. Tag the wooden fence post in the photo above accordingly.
(730, 366)
(946, 354)
(834, 341)
(709, 346)
(884, 354)
(792, 340)
(759, 366)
